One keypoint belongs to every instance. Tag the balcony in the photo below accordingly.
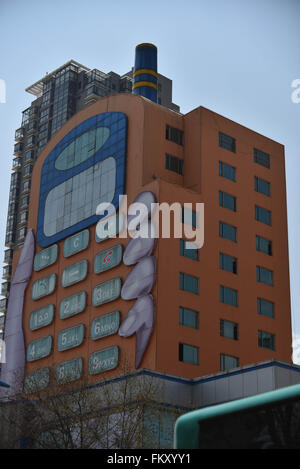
(2, 320)
(21, 235)
(18, 148)
(9, 239)
(6, 272)
(5, 287)
(27, 171)
(24, 202)
(3, 305)
(33, 111)
(30, 141)
(32, 128)
(19, 134)
(23, 219)
(8, 255)
(29, 156)
(93, 93)
(17, 164)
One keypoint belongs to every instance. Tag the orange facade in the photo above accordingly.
(145, 170)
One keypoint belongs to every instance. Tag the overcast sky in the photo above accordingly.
(235, 57)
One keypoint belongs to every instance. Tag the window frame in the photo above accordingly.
(182, 285)
(227, 142)
(181, 357)
(182, 311)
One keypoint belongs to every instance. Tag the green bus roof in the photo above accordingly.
(186, 426)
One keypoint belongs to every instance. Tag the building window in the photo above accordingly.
(188, 354)
(227, 171)
(264, 275)
(228, 362)
(29, 155)
(263, 215)
(261, 158)
(266, 340)
(228, 263)
(188, 317)
(262, 186)
(228, 296)
(189, 283)
(189, 217)
(172, 163)
(264, 245)
(227, 231)
(28, 170)
(227, 142)
(24, 201)
(265, 307)
(21, 234)
(23, 217)
(227, 201)
(30, 140)
(229, 329)
(189, 249)
(174, 135)
(26, 186)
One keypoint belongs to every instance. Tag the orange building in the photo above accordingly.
(216, 308)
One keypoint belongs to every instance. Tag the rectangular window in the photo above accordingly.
(188, 283)
(174, 135)
(29, 155)
(264, 275)
(173, 163)
(228, 263)
(227, 231)
(227, 201)
(188, 354)
(265, 307)
(227, 142)
(189, 249)
(189, 217)
(263, 215)
(229, 329)
(261, 158)
(264, 245)
(24, 201)
(228, 362)
(228, 296)
(227, 171)
(188, 317)
(266, 340)
(262, 186)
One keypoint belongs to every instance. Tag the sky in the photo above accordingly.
(235, 57)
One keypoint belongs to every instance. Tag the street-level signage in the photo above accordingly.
(104, 360)
(69, 370)
(105, 325)
(45, 258)
(72, 305)
(39, 348)
(76, 243)
(37, 380)
(43, 287)
(106, 291)
(74, 273)
(70, 338)
(108, 259)
(41, 317)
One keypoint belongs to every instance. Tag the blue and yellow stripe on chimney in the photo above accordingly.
(145, 71)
